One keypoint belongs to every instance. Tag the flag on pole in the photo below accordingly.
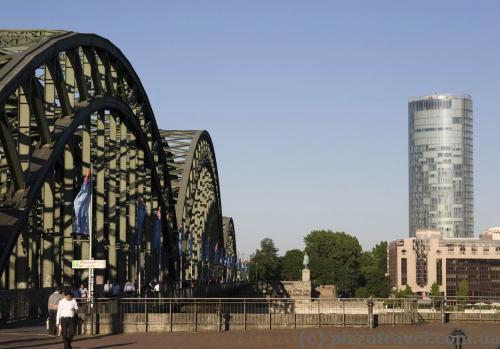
(202, 250)
(216, 253)
(156, 231)
(141, 214)
(81, 206)
(207, 250)
(190, 243)
(222, 256)
(180, 238)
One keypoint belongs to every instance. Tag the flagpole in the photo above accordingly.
(91, 270)
(160, 274)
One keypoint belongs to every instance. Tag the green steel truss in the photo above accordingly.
(69, 101)
(195, 186)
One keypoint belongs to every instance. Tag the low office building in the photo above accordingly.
(428, 257)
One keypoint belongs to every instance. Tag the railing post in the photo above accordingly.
(343, 313)
(294, 314)
(170, 313)
(146, 312)
(393, 312)
(319, 314)
(219, 316)
(480, 314)
(245, 314)
(91, 317)
(195, 317)
(269, 310)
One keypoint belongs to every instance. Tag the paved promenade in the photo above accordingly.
(418, 336)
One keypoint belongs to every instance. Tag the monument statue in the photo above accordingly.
(306, 260)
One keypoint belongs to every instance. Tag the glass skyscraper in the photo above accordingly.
(440, 164)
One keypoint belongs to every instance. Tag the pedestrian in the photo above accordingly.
(129, 288)
(53, 302)
(75, 292)
(84, 293)
(156, 290)
(66, 312)
(152, 285)
(107, 289)
(115, 289)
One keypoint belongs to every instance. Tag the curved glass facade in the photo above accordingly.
(440, 164)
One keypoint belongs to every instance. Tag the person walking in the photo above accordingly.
(115, 289)
(66, 311)
(83, 291)
(129, 289)
(107, 289)
(53, 302)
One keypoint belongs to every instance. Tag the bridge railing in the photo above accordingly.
(22, 304)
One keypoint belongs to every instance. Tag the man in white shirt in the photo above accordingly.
(129, 289)
(83, 291)
(107, 289)
(66, 311)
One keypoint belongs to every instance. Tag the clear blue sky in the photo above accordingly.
(306, 101)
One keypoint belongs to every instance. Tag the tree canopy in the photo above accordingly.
(374, 280)
(334, 259)
(292, 265)
(265, 265)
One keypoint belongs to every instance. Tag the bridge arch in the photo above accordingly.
(195, 185)
(68, 100)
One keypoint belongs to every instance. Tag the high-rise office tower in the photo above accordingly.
(440, 164)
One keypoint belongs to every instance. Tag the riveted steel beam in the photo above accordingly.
(9, 149)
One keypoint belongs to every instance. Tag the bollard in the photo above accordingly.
(371, 316)
(457, 338)
(444, 317)
(444, 314)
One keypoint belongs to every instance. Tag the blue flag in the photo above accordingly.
(156, 232)
(190, 244)
(207, 250)
(180, 238)
(141, 214)
(81, 206)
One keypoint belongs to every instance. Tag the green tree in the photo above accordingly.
(265, 264)
(463, 289)
(435, 292)
(406, 292)
(334, 259)
(292, 265)
(435, 295)
(374, 280)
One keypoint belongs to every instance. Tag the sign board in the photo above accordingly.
(89, 264)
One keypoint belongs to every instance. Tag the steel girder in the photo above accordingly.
(230, 244)
(68, 100)
(195, 185)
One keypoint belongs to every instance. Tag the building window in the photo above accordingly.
(451, 249)
(462, 249)
(404, 272)
(421, 271)
(439, 271)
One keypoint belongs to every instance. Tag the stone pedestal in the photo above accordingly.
(306, 275)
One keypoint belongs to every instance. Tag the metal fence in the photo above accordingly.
(22, 304)
(115, 315)
(219, 314)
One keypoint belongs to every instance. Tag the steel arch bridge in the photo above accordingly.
(69, 101)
